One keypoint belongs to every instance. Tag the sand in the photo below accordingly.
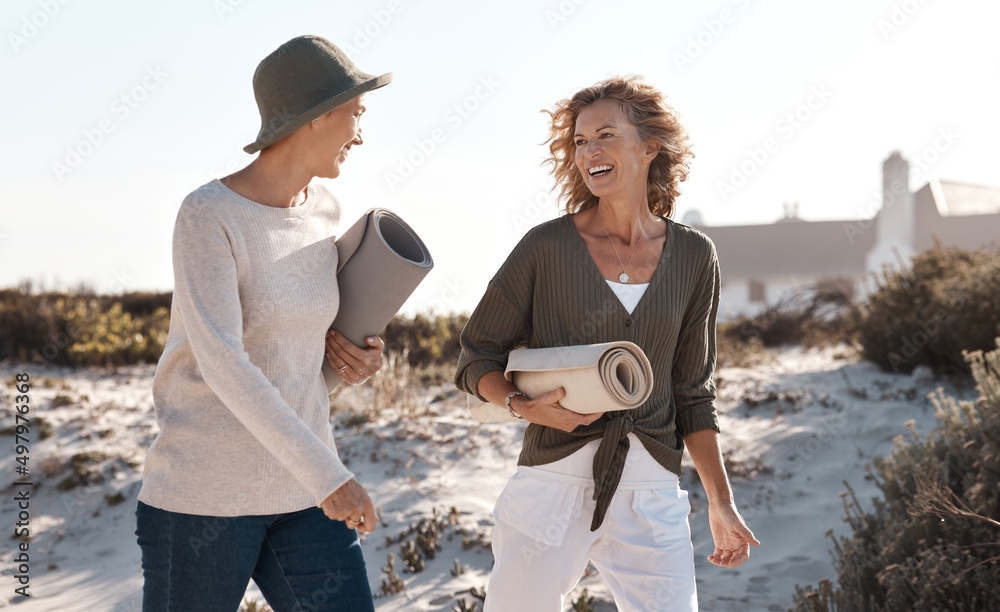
(795, 426)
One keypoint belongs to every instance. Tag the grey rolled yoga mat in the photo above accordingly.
(382, 260)
(596, 378)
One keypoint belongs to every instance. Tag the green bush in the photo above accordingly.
(933, 542)
(82, 328)
(946, 302)
(110, 336)
(428, 339)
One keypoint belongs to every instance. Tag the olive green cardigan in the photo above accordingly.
(550, 292)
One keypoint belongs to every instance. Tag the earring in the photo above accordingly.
(315, 121)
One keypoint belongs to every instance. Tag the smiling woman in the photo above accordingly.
(245, 445)
(604, 487)
(651, 118)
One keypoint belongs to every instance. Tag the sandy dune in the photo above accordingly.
(795, 426)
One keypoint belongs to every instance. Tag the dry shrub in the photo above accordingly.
(946, 302)
(814, 316)
(428, 339)
(393, 385)
(933, 542)
(252, 605)
(82, 328)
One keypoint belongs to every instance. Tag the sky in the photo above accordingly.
(116, 110)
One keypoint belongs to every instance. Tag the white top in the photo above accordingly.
(628, 295)
(243, 410)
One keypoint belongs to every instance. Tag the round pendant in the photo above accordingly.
(623, 277)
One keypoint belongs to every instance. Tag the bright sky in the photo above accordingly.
(115, 111)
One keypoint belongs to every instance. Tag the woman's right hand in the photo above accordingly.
(545, 410)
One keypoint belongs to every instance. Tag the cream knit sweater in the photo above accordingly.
(240, 400)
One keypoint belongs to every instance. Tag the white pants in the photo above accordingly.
(542, 541)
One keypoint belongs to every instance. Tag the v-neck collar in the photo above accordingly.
(595, 272)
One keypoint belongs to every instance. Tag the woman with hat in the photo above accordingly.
(603, 487)
(243, 480)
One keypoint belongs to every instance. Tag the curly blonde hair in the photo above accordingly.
(654, 119)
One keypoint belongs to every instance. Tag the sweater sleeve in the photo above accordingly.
(500, 323)
(205, 287)
(694, 361)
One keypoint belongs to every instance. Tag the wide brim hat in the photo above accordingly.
(302, 80)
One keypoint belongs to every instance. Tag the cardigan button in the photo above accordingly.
(628, 322)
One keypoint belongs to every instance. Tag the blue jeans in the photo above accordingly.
(301, 561)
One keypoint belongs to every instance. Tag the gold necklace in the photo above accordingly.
(623, 277)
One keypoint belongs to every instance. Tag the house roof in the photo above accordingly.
(961, 199)
(956, 214)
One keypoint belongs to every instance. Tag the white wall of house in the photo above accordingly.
(741, 296)
(735, 298)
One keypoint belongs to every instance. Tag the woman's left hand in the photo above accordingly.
(731, 535)
(354, 364)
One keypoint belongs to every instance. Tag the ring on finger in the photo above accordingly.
(343, 368)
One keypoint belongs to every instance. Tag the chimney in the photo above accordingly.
(895, 222)
(895, 179)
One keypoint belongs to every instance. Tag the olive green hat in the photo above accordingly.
(301, 80)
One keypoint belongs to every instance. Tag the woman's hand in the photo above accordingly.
(355, 364)
(731, 535)
(545, 410)
(351, 504)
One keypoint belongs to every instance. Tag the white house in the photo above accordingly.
(760, 263)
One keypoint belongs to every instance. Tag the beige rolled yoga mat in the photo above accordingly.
(596, 378)
(381, 262)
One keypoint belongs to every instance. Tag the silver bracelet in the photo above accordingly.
(506, 403)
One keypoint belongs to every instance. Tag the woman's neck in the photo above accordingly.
(270, 180)
(623, 218)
